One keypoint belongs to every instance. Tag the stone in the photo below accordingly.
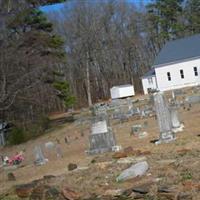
(142, 189)
(165, 189)
(119, 155)
(168, 193)
(145, 125)
(11, 177)
(49, 145)
(103, 165)
(116, 148)
(52, 193)
(59, 152)
(39, 156)
(138, 169)
(38, 192)
(70, 194)
(192, 99)
(24, 190)
(184, 196)
(129, 150)
(72, 166)
(47, 177)
(113, 193)
(176, 124)
(102, 138)
(163, 118)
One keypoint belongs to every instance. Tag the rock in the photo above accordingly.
(49, 145)
(168, 193)
(38, 192)
(70, 194)
(49, 176)
(119, 155)
(165, 189)
(143, 153)
(138, 169)
(24, 190)
(52, 193)
(127, 192)
(184, 196)
(142, 189)
(137, 196)
(113, 193)
(72, 166)
(103, 165)
(116, 148)
(11, 177)
(129, 151)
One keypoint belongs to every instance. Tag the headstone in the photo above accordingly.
(192, 99)
(59, 152)
(176, 124)
(145, 125)
(2, 138)
(101, 139)
(49, 145)
(39, 156)
(163, 118)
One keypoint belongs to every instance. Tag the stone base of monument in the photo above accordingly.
(166, 138)
(101, 143)
(178, 129)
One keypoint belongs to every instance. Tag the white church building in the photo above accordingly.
(176, 66)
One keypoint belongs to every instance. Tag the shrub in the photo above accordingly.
(16, 136)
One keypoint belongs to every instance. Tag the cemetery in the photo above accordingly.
(143, 147)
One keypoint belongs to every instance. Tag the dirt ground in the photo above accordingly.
(170, 164)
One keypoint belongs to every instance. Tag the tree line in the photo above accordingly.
(81, 51)
(30, 57)
(113, 42)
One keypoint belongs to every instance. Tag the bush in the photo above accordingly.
(16, 136)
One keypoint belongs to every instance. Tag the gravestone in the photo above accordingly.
(176, 124)
(2, 138)
(192, 99)
(101, 139)
(39, 156)
(163, 118)
(49, 145)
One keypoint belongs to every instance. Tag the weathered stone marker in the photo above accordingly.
(39, 156)
(163, 118)
(101, 139)
(176, 124)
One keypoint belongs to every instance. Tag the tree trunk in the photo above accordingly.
(89, 97)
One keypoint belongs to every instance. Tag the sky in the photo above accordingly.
(58, 6)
